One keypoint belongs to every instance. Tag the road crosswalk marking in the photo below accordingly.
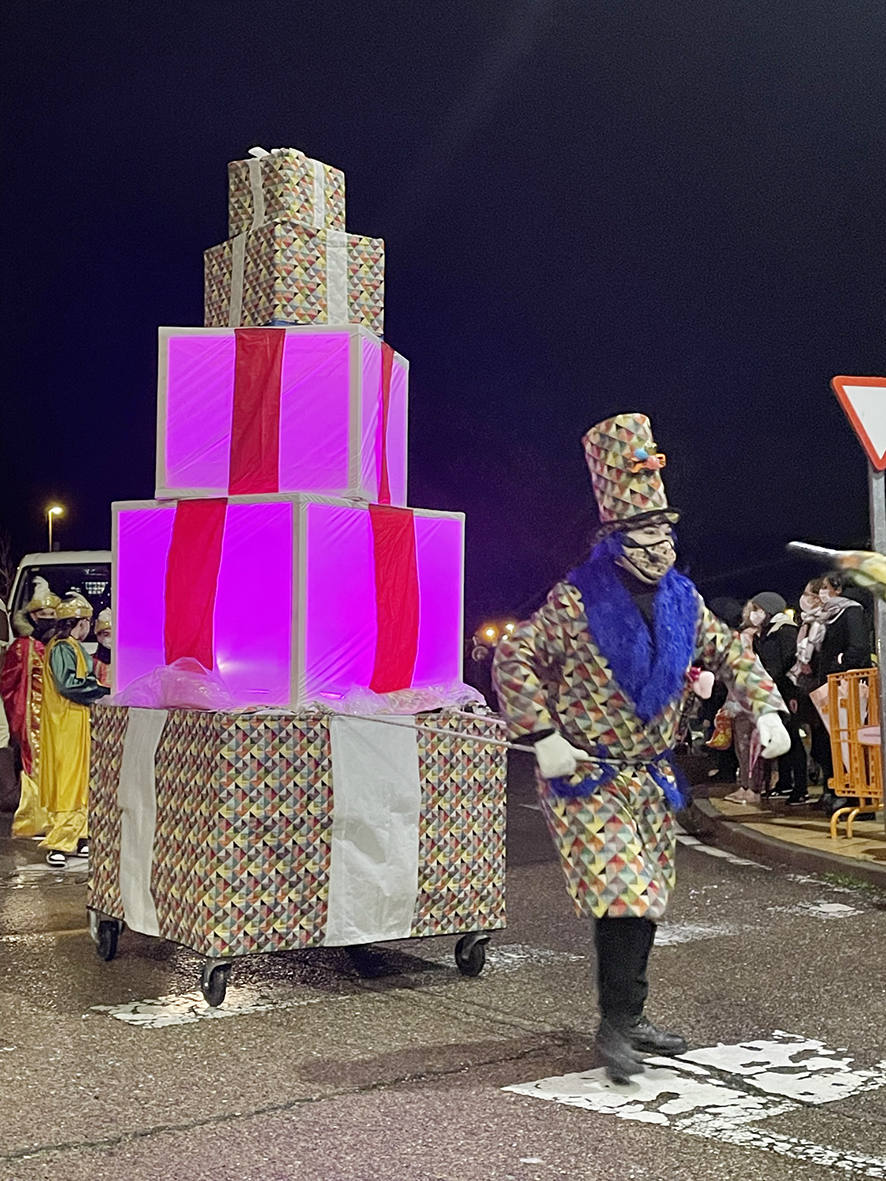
(723, 1092)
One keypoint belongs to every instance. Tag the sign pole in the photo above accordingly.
(877, 496)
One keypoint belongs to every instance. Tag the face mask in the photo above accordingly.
(757, 616)
(809, 603)
(41, 626)
(648, 559)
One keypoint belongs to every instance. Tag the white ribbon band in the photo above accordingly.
(238, 263)
(136, 795)
(319, 218)
(336, 277)
(373, 876)
(258, 193)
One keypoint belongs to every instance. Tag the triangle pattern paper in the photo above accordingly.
(864, 401)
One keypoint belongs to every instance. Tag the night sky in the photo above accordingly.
(588, 208)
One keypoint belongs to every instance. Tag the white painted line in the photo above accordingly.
(188, 1007)
(667, 934)
(691, 842)
(763, 1079)
(820, 909)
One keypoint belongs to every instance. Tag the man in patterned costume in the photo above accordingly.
(595, 681)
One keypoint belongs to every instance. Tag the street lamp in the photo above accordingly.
(54, 510)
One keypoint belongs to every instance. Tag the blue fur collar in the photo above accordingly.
(653, 675)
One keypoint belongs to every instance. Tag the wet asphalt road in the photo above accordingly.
(385, 1063)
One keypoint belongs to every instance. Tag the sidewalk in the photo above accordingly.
(796, 837)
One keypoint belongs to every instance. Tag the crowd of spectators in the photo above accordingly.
(830, 631)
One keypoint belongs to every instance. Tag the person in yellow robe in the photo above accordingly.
(69, 687)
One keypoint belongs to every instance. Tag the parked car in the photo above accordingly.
(86, 571)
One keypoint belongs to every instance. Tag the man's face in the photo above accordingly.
(44, 613)
(104, 637)
(649, 552)
(81, 629)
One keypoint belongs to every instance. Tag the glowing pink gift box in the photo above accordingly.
(290, 599)
(246, 411)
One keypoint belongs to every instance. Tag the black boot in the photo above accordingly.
(647, 1038)
(623, 947)
(617, 1054)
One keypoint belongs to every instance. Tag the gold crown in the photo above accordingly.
(103, 621)
(74, 607)
(42, 598)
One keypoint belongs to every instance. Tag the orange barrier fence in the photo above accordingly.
(855, 743)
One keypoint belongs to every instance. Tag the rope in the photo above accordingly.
(466, 737)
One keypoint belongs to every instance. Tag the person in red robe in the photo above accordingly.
(21, 687)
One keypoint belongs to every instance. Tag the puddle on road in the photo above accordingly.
(38, 873)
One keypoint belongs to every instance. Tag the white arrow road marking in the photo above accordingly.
(763, 1079)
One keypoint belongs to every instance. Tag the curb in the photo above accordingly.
(701, 819)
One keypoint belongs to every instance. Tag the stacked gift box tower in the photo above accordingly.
(280, 552)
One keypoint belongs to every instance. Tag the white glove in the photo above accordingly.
(556, 757)
(774, 738)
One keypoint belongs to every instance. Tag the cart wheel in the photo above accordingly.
(106, 940)
(214, 983)
(470, 953)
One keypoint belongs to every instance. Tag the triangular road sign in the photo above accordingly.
(864, 400)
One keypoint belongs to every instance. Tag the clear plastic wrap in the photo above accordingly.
(184, 684)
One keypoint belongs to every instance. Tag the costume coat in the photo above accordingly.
(69, 687)
(617, 839)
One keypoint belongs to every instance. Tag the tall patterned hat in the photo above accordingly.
(626, 466)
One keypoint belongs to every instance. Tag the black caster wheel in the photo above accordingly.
(214, 983)
(106, 938)
(470, 953)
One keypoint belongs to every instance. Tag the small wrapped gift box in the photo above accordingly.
(284, 185)
(256, 410)
(287, 273)
(290, 599)
(234, 833)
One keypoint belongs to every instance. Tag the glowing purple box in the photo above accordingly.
(339, 430)
(297, 614)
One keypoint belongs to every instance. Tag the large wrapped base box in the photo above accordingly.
(291, 600)
(238, 833)
(256, 410)
(287, 273)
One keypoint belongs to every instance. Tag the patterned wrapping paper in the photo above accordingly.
(293, 274)
(289, 185)
(242, 844)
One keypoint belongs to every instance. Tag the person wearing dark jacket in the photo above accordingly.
(776, 647)
(845, 645)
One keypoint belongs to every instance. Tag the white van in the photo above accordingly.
(86, 571)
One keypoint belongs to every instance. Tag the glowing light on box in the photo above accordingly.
(334, 436)
(295, 615)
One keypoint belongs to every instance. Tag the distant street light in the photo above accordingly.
(54, 510)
